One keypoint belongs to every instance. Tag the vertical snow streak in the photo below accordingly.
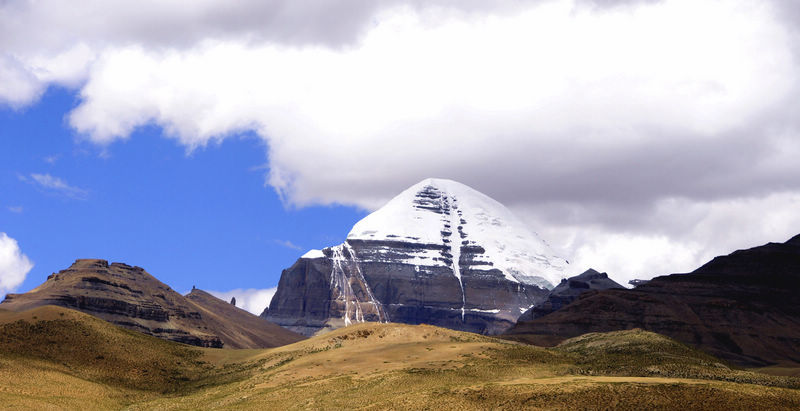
(339, 280)
(343, 283)
(382, 316)
(455, 245)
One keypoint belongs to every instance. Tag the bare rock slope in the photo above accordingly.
(130, 297)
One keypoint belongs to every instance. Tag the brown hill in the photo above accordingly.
(130, 297)
(239, 328)
(743, 307)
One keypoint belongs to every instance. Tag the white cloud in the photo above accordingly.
(52, 159)
(680, 235)
(14, 265)
(249, 299)
(414, 100)
(15, 209)
(18, 86)
(55, 185)
(288, 244)
(47, 42)
(627, 257)
(648, 127)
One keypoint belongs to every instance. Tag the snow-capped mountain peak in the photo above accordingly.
(439, 253)
(440, 211)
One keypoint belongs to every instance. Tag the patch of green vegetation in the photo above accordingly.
(642, 353)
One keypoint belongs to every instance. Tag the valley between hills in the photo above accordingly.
(57, 358)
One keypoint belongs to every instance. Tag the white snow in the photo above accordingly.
(339, 281)
(508, 243)
(421, 257)
(313, 254)
(455, 248)
(477, 310)
(382, 316)
(473, 310)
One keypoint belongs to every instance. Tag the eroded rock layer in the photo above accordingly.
(130, 297)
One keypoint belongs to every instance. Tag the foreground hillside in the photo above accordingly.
(53, 357)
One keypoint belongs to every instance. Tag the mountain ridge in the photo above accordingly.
(743, 307)
(568, 291)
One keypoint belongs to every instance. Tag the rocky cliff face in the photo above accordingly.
(439, 253)
(568, 291)
(743, 307)
(130, 297)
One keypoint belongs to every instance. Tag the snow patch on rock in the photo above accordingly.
(311, 254)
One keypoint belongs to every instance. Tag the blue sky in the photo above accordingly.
(203, 218)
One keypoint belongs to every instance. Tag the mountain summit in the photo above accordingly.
(445, 212)
(440, 253)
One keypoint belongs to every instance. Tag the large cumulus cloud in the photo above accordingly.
(641, 137)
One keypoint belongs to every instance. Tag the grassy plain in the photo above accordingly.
(54, 358)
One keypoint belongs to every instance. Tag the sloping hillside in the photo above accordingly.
(132, 298)
(52, 357)
(236, 327)
(95, 350)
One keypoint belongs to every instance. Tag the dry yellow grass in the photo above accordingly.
(97, 351)
(393, 366)
(40, 385)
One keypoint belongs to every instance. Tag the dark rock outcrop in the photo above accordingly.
(439, 253)
(342, 287)
(743, 307)
(130, 297)
(568, 291)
